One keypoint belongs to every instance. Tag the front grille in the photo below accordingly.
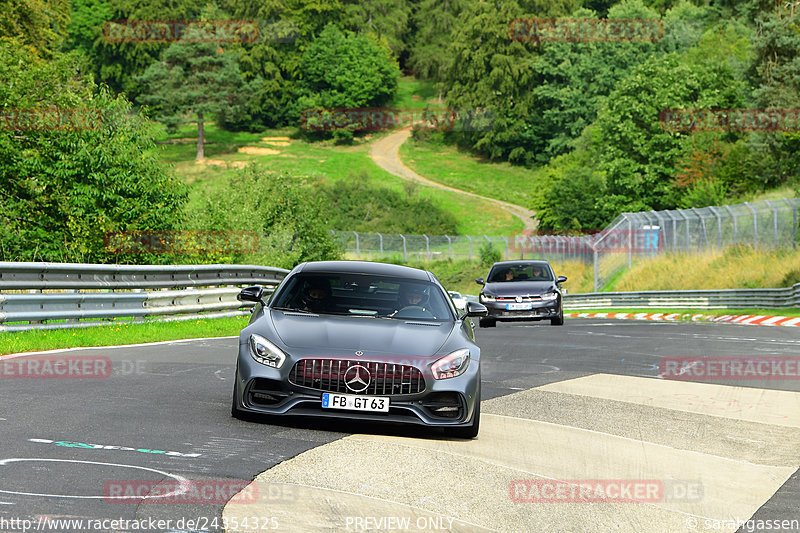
(386, 379)
(514, 298)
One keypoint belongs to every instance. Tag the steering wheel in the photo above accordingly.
(413, 311)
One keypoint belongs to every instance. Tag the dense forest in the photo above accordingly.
(586, 114)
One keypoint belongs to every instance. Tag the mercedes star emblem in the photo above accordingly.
(357, 378)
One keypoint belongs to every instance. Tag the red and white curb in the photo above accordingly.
(752, 320)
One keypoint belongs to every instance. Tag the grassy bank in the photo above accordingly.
(135, 333)
(739, 267)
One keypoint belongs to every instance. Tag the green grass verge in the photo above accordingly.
(789, 312)
(450, 166)
(119, 333)
(324, 160)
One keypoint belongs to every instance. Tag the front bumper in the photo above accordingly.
(540, 310)
(444, 403)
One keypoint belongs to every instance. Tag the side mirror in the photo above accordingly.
(476, 309)
(480, 281)
(561, 279)
(251, 294)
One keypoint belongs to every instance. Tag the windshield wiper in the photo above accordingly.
(295, 310)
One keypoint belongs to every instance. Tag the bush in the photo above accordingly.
(489, 255)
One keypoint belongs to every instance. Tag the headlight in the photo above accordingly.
(550, 296)
(487, 298)
(451, 365)
(266, 353)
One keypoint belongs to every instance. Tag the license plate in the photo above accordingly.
(519, 307)
(379, 404)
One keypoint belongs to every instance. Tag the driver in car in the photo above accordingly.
(411, 296)
(316, 296)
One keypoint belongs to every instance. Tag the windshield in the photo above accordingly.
(363, 295)
(520, 272)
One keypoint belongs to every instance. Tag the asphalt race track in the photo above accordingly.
(580, 403)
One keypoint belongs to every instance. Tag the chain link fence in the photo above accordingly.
(631, 236)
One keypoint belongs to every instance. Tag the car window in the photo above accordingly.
(363, 295)
(520, 272)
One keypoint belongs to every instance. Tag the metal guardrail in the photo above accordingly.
(697, 299)
(120, 291)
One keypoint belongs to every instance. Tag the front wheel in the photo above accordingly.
(235, 411)
(559, 320)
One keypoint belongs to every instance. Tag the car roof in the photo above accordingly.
(364, 267)
(521, 262)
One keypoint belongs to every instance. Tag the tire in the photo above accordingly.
(559, 320)
(487, 322)
(235, 411)
(471, 431)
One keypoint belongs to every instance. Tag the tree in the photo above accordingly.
(433, 22)
(36, 23)
(385, 20)
(283, 210)
(347, 70)
(198, 78)
(66, 182)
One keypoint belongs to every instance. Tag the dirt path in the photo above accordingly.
(386, 154)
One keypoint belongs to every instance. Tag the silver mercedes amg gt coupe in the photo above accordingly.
(360, 340)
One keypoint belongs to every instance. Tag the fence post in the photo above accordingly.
(674, 231)
(470, 246)
(506, 241)
(702, 224)
(380, 238)
(755, 224)
(449, 247)
(405, 257)
(719, 225)
(358, 249)
(735, 224)
(596, 268)
(427, 246)
(794, 222)
(774, 224)
(630, 239)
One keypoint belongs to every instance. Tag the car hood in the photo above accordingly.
(328, 334)
(514, 288)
